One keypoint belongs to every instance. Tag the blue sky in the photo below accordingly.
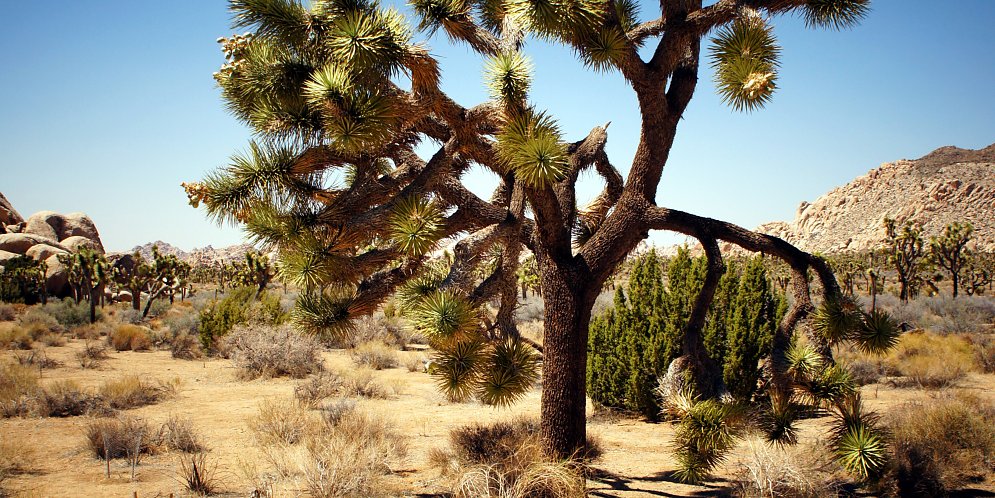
(106, 106)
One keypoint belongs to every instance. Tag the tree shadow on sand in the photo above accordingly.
(713, 489)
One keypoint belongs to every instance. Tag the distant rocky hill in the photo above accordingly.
(203, 255)
(948, 184)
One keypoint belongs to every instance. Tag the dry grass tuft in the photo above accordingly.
(267, 351)
(37, 358)
(178, 434)
(13, 336)
(67, 399)
(16, 458)
(199, 474)
(939, 444)
(123, 437)
(362, 383)
(185, 347)
(353, 457)
(18, 385)
(773, 471)
(375, 354)
(128, 337)
(133, 392)
(92, 355)
(282, 422)
(318, 387)
(930, 361)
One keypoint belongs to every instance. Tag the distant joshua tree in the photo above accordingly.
(325, 89)
(950, 252)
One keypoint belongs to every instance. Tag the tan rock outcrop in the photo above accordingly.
(20, 242)
(8, 215)
(947, 185)
(41, 252)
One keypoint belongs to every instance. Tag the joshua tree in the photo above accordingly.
(905, 254)
(950, 252)
(88, 272)
(322, 87)
(257, 271)
(135, 275)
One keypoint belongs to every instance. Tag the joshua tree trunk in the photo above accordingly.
(563, 427)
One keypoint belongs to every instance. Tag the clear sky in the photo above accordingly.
(106, 106)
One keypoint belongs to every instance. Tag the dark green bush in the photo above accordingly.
(633, 342)
(22, 280)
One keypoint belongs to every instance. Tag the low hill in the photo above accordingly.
(949, 184)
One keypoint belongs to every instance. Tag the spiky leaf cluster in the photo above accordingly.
(841, 320)
(508, 77)
(531, 147)
(416, 225)
(745, 58)
(856, 439)
(835, 14)
(703, 438)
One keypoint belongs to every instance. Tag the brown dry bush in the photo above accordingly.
(929, 360)
(92, 355)
(378, 328)
(266, 351)
(16, 458)
(353, 457)
(984, 351)
(375, 354)
(940, 444)
(185, 347)
(67, 399)
(324, 384)
(773, 471)
(13, 336)
(92, 331)
(133, 392)
(8, 312)
(127, 337)
(18, 386)
(37, 358)
(505, 460)
(122, 437)
(178, 434)
(362, 383)
(282, 422)
(199, 474)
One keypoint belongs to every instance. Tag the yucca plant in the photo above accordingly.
(860, 446)
(703, 438)
(342, 89)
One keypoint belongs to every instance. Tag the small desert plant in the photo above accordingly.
(92, 354)
(375, 354)
(67, 399)
(126, 337)
(18, 384)
(984, 352)
(703, 437)
(415, 363)
(929, 360)
(352, 457)
(92, 331)
(185, 347)
(199, 474)
(281, 422)
(178, 434)
(856, 439)
(362, 383)
(133, 392)
(377, 328)
(267, 351)
(504, 460)
(940, 444)
(8, 312)
(13, 336)
(334, 411)
(37, 358)
(774, 471)
(324, 384)
(123, 437)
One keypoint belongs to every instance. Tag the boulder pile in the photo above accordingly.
(43, 237)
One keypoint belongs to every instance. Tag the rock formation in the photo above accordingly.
(43, 237)
(947, 185)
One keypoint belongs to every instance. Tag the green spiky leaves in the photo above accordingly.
(511, 370)
(458, 368)
(745, 58)
(531, 147)
(859, 445)
(604, 49)
(835, 14)
(840, 319)
(416, 224)
(445, 317)
(508, 76)
(324, 313)
(703, 438)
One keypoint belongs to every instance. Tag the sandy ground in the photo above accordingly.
(636, 461)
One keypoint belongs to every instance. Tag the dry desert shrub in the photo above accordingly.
(8, 312)
(316, 388)
(353, 457)
(929, 360)
(378, 328)
(940, 444)
(774, 471)
(91, 355)
(133, 392)
(375, 354)
(282, 422)
(92, 331)
(335, 411)
(67, 399)
(177, 433)
(199, 474)
(268, 351)
(122, 437)
(185, 346)
(362, 383)
(127, 337)
(37, 358)
(984, 351)
(13, 336)
(18, 386)
(15, 458)
(504, 460)
(415, 362)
